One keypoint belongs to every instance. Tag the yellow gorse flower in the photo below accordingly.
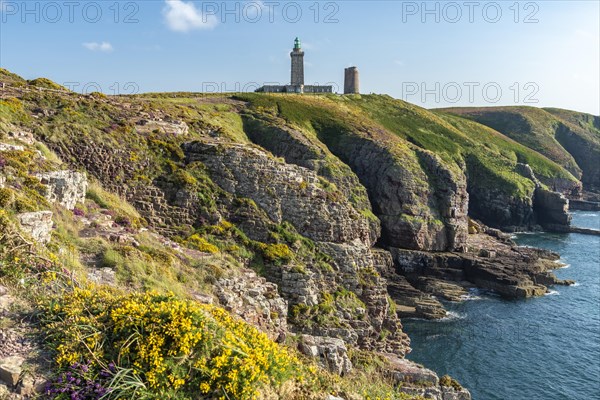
(170, 343)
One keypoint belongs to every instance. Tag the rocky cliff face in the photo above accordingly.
(421, 203)
(502, 211)
(314, 217)
(351, 289)
(541, 207)
(286, 192)
(552, 210)
(585, 150)
(402, 196)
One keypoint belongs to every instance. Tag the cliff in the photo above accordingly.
(320, 221)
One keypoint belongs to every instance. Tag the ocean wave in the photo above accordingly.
(552, 293)
(469, 297)
(452, 315)
(429, 337)
(474, 294)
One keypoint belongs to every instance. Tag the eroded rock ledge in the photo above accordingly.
(491, 261)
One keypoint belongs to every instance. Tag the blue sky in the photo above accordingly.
(434, 54)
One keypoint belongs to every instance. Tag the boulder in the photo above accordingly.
(11, 147)
(404, 371)
(66, 188)
(103, 276)
(37, 224)
(331, 352)
(416, 380)
(10, 369)
(173, 127)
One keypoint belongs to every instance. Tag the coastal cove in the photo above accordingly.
(539, 348)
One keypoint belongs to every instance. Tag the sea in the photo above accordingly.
(545, 348)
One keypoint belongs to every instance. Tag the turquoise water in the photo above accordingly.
(545, 348)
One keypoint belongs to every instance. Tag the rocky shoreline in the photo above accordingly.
(491, 261)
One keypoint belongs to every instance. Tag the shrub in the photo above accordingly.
(448, 381)
(6, 197)
(199, 243)
(183, 178)
(123, 221)
(173, 347)
(110, 259)
(278, 253)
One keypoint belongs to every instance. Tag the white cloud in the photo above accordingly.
(94, 46)
(399, 62)
(184, 17)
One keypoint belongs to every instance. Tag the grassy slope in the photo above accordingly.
(537, 129)
(454, 139)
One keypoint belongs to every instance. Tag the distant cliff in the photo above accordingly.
(569, 138)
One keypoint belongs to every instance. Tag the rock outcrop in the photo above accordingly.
(421, 203)
(66, 188)
(332, 353)
(489, 263)
(256, 301)
(37, 224)
(541, 207)
(416, 380)
(410, 302)
(174, 127)
(552, 210)
(286, 192)
(352, 290)
(414, 212)
(307, 151)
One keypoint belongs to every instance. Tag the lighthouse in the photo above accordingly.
(297, 56)
(296, 84)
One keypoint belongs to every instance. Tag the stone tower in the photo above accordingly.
(297, 64)
(351, 84)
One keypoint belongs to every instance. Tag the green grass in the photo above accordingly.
(538, 129)
(455, 140)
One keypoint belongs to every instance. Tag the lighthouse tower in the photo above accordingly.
(297, 55)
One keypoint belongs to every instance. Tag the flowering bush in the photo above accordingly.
(199, 243)
(174, 348)
(278, 253)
